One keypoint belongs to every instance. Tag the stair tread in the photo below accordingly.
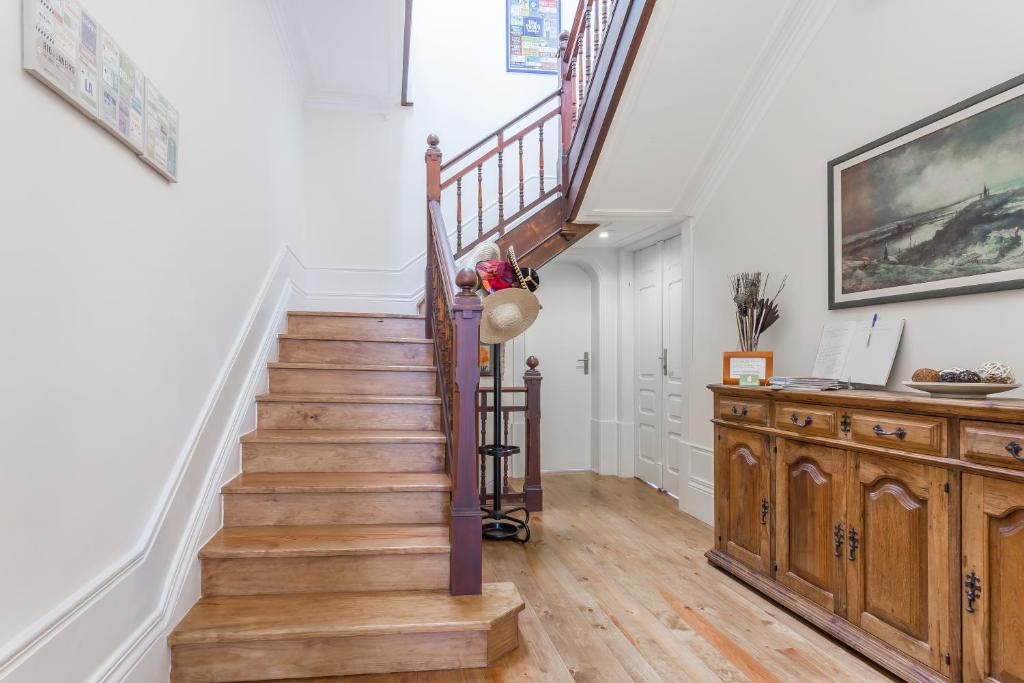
(346, 366)
(317, 615)
(322, 540)
(323, 336)
(337, 314)
(338, 482)
(331, 436)
(343, 398)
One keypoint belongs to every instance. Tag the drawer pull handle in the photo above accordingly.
(796, 420)
(739, 413)
(840, 537)
(1014, 449)
(972, 586)
(764, 511)
(854, 544)
(899, 432)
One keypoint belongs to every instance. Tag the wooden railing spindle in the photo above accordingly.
(587, 41)
(604, 17)
(480, 199)
(597, 32)
(458, 214)
(501, 184)
(540, 156)
(522, 188)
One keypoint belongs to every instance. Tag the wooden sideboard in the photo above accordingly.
(895, 522)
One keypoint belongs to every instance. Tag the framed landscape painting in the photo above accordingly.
(934, 209)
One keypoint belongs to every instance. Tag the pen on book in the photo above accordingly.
(874, 319)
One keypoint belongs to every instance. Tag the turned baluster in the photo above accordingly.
(597, 32)
(501, 184)
(540, 133)
(433, 161)
(522, 193)
(604, 17)
(480, 200)
(504, 475)
(577, 62)
(483, 439)
(458, 214)
(586, 23)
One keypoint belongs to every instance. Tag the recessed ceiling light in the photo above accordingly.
(604, 234)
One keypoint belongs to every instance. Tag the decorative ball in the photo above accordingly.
(950, 375)
(996, 373)
(968, 377)
(925, 375)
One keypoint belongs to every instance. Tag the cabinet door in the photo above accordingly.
(898, 586)
(810, 522)
(742, 519)
(993, 575)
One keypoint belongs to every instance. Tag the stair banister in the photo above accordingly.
(453, 322)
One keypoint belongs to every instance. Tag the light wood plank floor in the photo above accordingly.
(617, 589)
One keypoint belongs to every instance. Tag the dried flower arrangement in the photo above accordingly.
(755, 311)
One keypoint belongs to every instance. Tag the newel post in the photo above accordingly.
(433, 160)
(533, 494)
(567, 113)
(466, 540)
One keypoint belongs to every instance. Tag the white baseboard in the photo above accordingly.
(698, 495)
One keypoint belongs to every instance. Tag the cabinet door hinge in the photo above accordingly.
(945, 487)
(949, 659)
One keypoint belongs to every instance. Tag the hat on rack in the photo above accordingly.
(507, 313)
(528, 278)
(487, 251)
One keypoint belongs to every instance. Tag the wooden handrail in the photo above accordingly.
(453, 322)
(462, 155)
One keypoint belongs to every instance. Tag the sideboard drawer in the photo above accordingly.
(918, 433)
(805, 419)
(992, 443)
(746, 410)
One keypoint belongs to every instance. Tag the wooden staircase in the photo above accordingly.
(335, 554)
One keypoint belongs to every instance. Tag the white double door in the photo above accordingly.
(659, 364)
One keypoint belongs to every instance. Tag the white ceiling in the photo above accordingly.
(702, 79)
(344, 53)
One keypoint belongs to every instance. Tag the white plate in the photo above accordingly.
(961, 389)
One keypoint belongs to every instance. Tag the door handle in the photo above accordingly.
(586, 362)
(664, 362)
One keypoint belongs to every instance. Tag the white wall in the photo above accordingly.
(131, 308)
(872, 68)
(366, 168)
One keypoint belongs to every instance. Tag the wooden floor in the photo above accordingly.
(617, 589)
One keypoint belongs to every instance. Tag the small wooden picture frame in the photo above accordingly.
(736, 363)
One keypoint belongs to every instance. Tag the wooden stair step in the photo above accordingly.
(324, 378)
(365, 324)
(355, 349)
(326, 450)
(337, 482)
(265, 637)
(310, 541)
(329, 498)
(315, 559)
(347, 411)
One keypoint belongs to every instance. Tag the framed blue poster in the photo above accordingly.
(532, 30)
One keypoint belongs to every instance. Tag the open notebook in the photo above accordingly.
(846, 353)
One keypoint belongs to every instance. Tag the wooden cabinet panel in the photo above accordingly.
(810, 522)
(898, 556)
(993, 579)
(992, 443)
(919, 433)
(805, 419)
(745, 410)
(743, 475)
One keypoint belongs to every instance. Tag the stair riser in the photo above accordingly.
(303, 658)
(285, 415)
(391, 572)
(356, 457)
(381, 383)
(366, 328)
(355, 352)
(261, 509)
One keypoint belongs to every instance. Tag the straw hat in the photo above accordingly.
(487, 251)
(507, 313)
(528, 278)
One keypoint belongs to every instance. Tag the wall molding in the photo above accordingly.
(789, 39)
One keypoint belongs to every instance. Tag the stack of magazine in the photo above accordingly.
(810, 383)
